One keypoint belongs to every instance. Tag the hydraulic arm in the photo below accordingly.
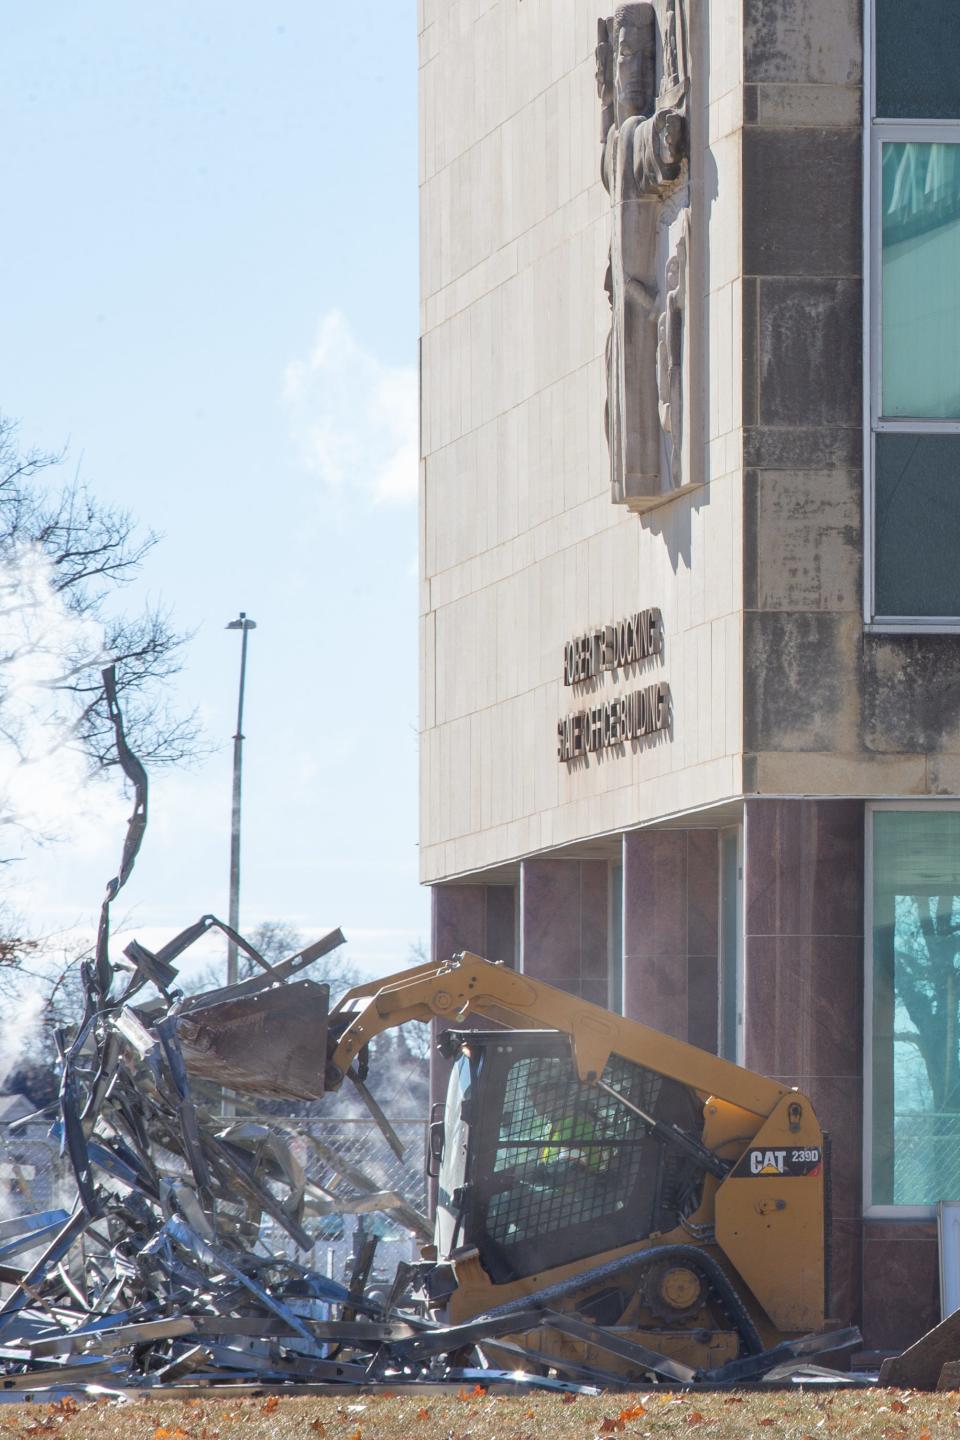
(469, 986)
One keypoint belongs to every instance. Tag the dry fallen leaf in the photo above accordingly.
(898, 1405)
(766, 1421)
(633, 1412)
(272, 1402)
(423, 1413)
(319, 1426)
(695, 1417)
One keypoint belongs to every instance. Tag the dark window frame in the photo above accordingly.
(878, 130)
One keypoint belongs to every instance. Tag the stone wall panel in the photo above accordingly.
(797, 219)
(911, 693)
(812, 41)
(901, 1283)
(805, 526)
(809, 340)
(797, 678)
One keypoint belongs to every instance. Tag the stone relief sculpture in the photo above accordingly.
(645, 144)
(670, 354)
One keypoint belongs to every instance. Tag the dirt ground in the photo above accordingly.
(471, 1414)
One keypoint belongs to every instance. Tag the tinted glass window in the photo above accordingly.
(920, 316)
(918, 59)
(917, 539)
(916, 1007)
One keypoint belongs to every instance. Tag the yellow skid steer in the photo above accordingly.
(637, 1206)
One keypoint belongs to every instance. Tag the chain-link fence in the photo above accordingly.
(32, 1175)
(351, 1161)
(357, 1187)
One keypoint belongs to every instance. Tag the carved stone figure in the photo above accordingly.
(670, 354)
(644, 137)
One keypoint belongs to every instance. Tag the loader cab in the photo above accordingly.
(538, 1170)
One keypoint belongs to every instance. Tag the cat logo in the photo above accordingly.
(790, 1162)
(767, 1162)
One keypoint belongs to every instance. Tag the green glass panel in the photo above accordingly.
(917, 525)
(920, 313)
(916, 1007)
(918, 59)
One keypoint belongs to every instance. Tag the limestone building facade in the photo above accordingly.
(690, 530)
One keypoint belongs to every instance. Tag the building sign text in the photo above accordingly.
(632, 716)
(625, 717)
(613, 646)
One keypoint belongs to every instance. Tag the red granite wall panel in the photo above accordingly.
(481, 918)
(670, 932)
(564, 924)
(803, 988)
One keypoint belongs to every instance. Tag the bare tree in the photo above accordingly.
(276, 940)
(87, 550)
(928, 986)
(418, 1037)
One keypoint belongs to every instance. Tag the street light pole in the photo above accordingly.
(244, 626)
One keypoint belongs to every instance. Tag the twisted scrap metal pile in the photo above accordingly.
(160, 1271)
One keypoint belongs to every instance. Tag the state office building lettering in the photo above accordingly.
(633, 716)
(625, 717)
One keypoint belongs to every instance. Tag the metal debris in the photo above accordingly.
(161, 1276)
(159, 1273)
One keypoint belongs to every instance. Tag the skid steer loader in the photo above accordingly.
(609, 1200)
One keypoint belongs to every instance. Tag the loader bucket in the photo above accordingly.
(272, 1042)
(920, 1366)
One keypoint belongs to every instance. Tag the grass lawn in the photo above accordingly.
(471, 1414)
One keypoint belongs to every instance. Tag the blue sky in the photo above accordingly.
(210, 290)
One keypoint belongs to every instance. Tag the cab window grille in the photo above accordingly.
(568, 1155)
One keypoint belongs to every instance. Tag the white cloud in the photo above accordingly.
(354, 418)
